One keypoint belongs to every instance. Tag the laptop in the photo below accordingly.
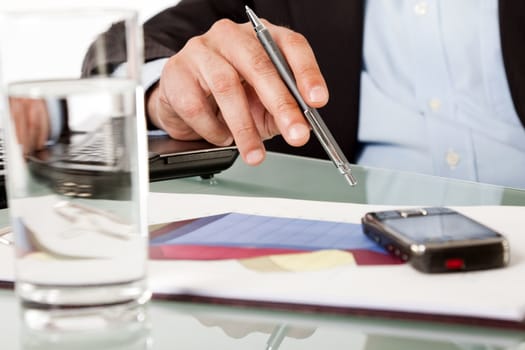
(169, 158)
(89, 167)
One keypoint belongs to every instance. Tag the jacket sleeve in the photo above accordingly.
(164, 34)
(168, 31)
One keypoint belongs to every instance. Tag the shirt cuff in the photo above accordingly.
(150, 72)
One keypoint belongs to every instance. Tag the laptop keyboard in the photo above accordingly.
(102, 147)
(96, 151)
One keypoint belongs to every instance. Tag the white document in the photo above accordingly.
(491, 294)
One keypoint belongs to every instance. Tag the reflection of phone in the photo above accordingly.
(437, 239)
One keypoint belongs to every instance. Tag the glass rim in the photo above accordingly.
(124, 12)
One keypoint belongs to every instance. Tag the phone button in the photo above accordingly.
(413, 212)
(454, 264)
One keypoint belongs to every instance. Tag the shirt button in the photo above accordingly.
(421, 8)
(434, 104)
(452, 158)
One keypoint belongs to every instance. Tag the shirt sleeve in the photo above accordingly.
(151, 72)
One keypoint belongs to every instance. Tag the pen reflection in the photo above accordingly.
(241, 328)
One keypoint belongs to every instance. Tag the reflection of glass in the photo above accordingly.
(129, 330)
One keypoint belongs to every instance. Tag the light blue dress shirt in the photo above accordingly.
(434, 95)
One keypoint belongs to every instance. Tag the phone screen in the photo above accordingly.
(440, 228)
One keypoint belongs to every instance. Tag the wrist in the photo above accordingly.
(151, 107)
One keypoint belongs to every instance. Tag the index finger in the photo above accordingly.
(251, 60)
(303, 63)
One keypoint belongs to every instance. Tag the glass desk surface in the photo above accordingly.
(188, 325)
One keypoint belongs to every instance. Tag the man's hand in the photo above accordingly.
(223, 87)
(31, 120)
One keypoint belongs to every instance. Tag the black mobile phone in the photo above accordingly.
(437, 239)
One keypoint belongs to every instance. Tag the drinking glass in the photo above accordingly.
(74, 129)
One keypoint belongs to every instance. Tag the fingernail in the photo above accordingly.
(254, 157)
(318, 94)
(298, 131)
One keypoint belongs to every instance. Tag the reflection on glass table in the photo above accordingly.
(244, 328)
(175, 325)
(313, 179)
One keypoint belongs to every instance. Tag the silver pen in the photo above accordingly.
(312, 115)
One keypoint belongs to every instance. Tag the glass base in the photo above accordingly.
(37, 296)
(86, 306)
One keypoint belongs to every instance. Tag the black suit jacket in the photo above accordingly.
(334, 29)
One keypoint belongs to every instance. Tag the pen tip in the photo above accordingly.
(253, 18)
(352, 181)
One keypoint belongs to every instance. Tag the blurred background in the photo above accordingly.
(146, 8)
